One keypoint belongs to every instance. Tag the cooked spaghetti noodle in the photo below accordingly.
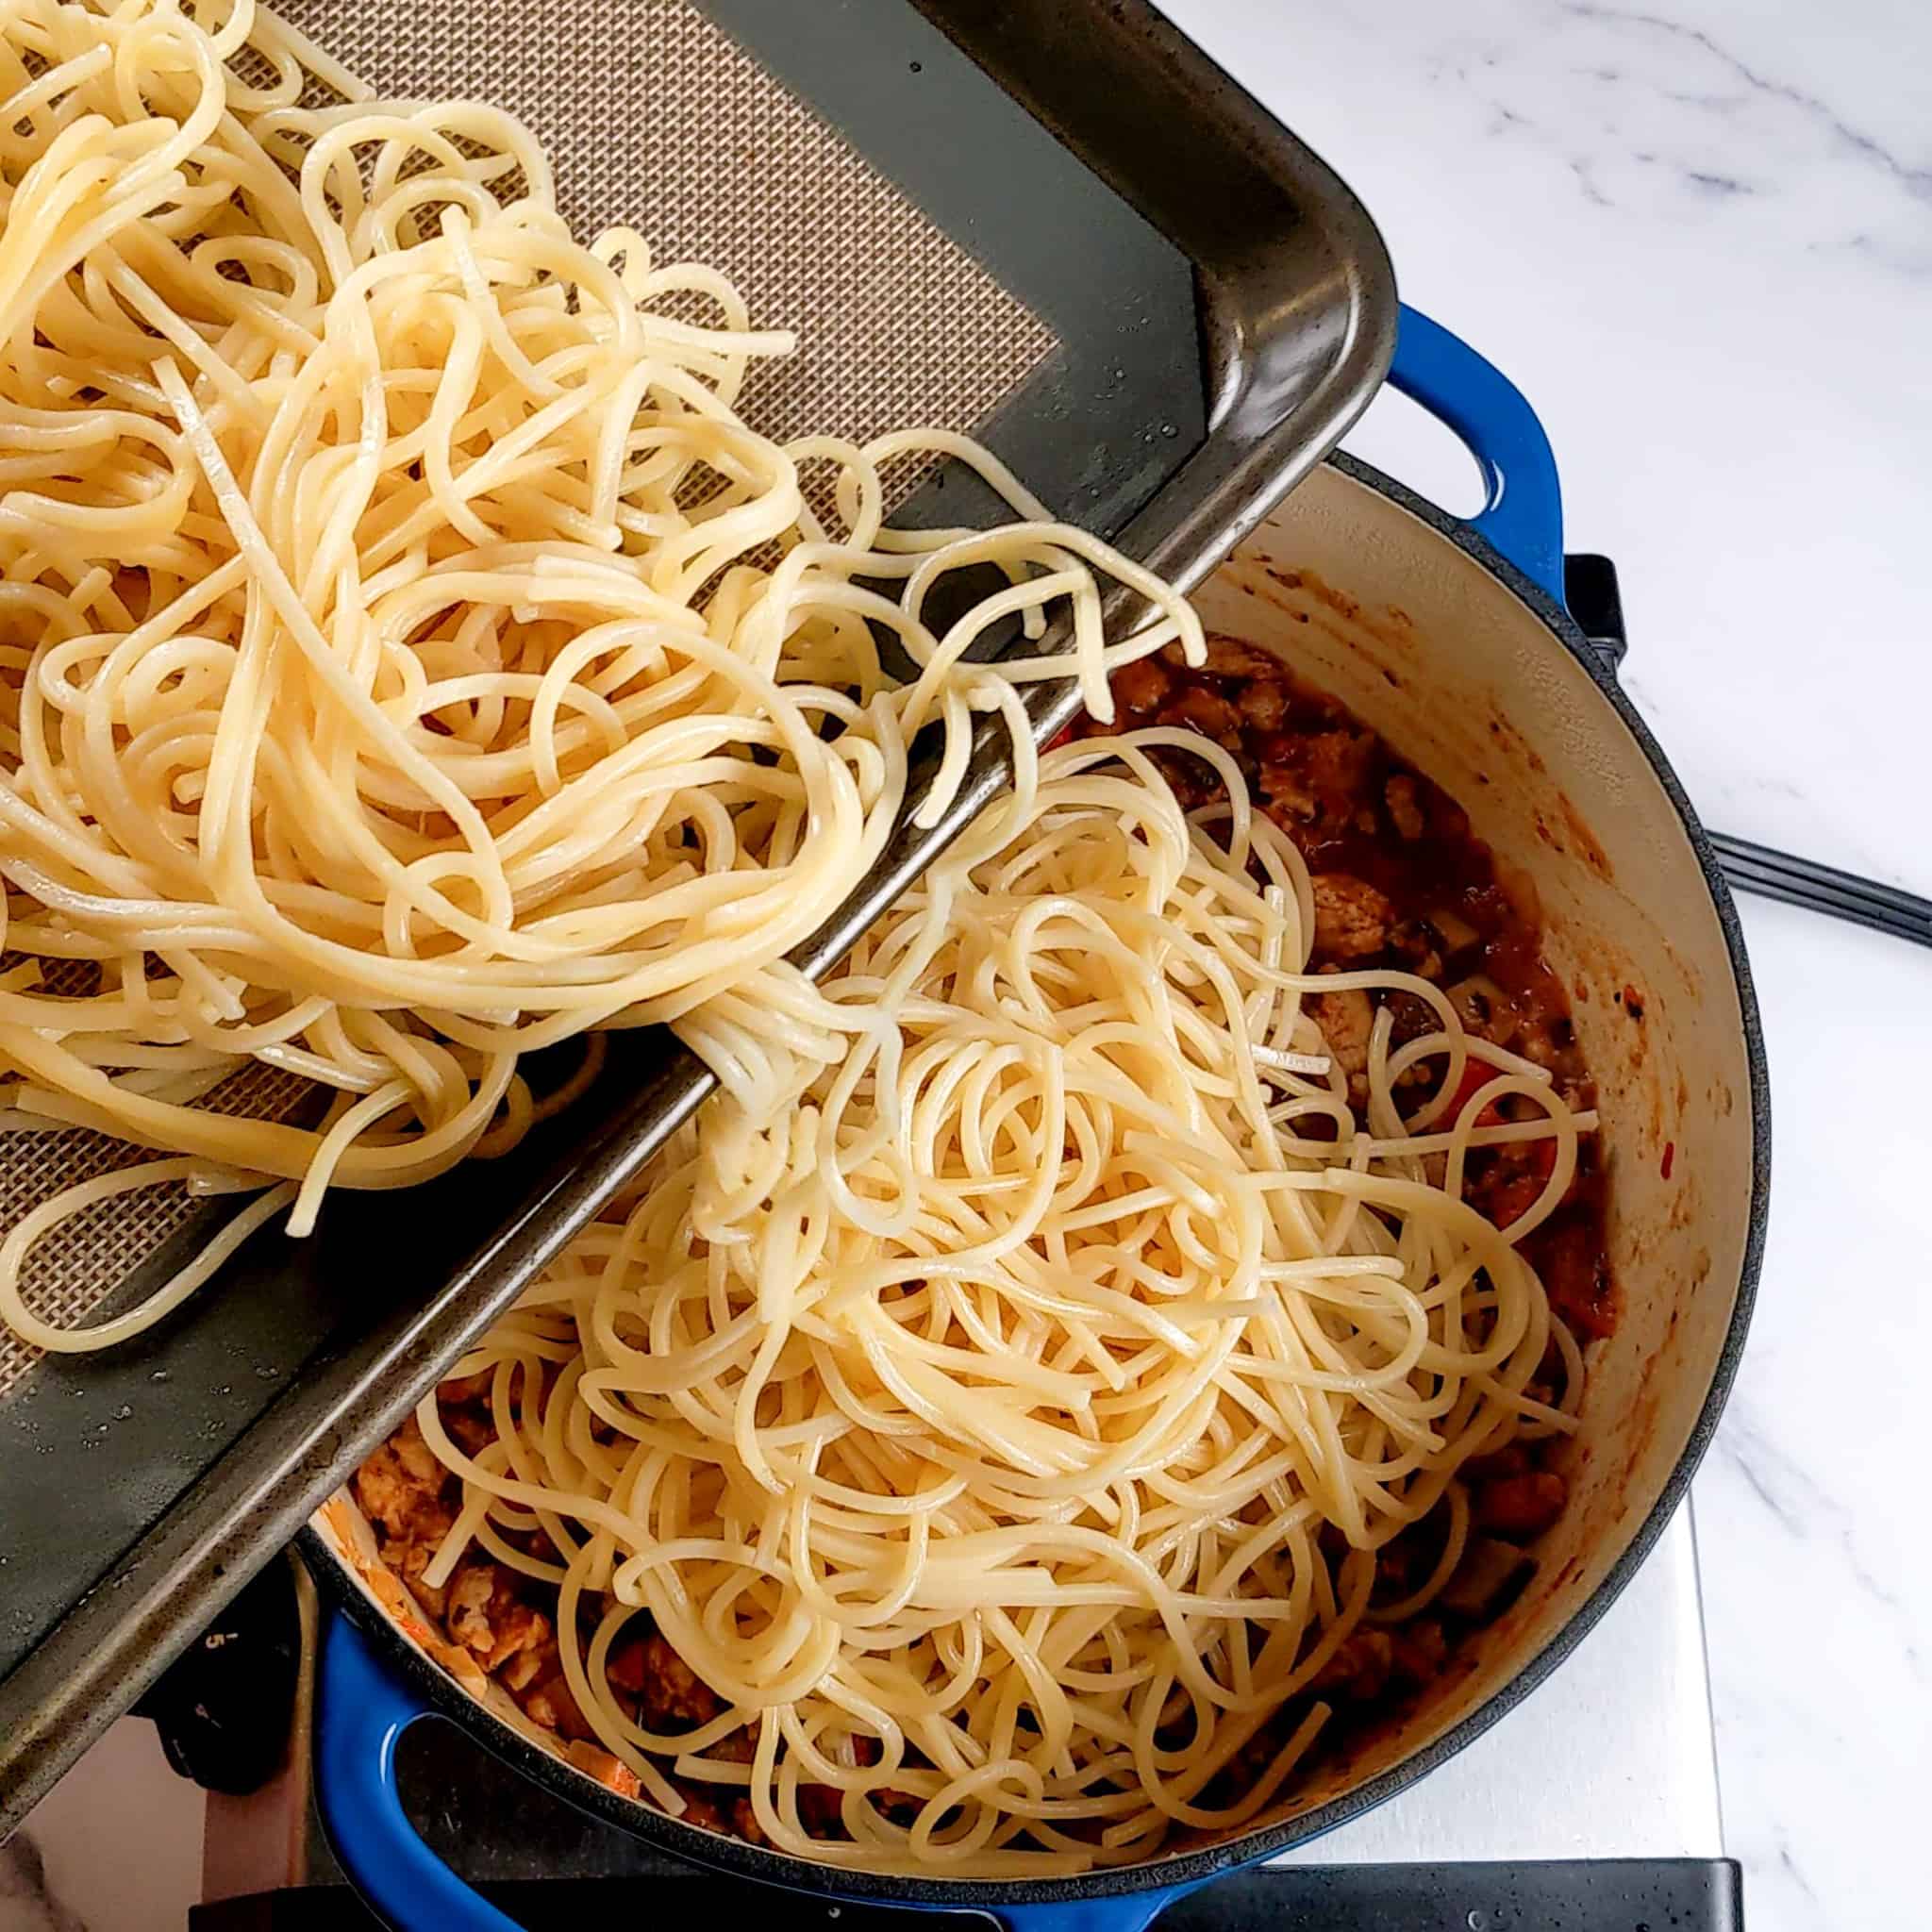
(409, 657)
(1006, 1433)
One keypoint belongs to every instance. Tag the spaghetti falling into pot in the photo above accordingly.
(1105, 1382)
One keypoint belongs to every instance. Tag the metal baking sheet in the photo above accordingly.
(1051, 222)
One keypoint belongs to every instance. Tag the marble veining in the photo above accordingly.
(1684, 65)
(1661, 116)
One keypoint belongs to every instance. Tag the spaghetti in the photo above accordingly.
(1006, 1433)
(409, 657)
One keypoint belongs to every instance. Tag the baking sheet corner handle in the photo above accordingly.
(361, 1713)
(1521, 517)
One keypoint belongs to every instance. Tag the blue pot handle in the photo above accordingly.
(1131, 1912)
(1523, 516)
(362, 1711)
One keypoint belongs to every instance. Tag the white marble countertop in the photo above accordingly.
(1698, 234)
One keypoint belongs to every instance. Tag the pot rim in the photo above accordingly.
(740, 1860)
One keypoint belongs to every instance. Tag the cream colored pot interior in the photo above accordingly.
(1367, 600)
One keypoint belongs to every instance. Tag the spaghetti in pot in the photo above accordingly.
(1005, 1435)
(409, 657)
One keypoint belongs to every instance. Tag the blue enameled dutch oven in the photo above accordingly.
(1453, 640)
